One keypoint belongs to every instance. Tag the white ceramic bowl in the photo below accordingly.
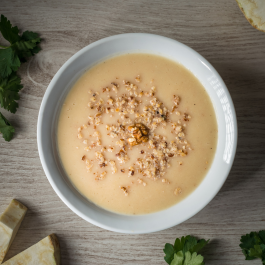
(131, 43)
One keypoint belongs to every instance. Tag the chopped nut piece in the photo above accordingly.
(83, 158)
(131, 171)
(80, 136)
(115, 87)
(100, 157)
(88, 165)
(137, 78)
(87, 148)
(139, 133)
(125, 191)
(177, 191)
(113, 166)
(96, 134)
(176, 100)
(102, 176)
(165, 181)
(186, 117)
(103, 165)
(111, 149)
(122, 156)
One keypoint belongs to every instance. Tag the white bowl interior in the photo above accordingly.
(135, 43)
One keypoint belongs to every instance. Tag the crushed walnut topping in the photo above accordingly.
(137, 78)
(88, 165)
(131, 171)
(113, 166)
(101, 176)
(140, 181)
(177, 191)
(139, 113)
(165, 181)
(124, 190)
(138, 134)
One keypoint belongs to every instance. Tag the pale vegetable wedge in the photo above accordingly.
(254, 11)
(10, 222)
(45, 252)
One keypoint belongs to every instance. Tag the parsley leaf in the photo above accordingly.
(184, 244)
(25, 49)
(200, 244)
(21, 47)
(190, 243)
(169, 251)
(179, 243)
(178, 259)
(9, 62)
(27, 46)
(193, 259)
(9, 33)
(9, 88)
(5, 128)
(253, 245)
(190, 259)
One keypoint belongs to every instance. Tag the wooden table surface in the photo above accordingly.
(220, 33)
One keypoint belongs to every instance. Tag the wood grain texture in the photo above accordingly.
(217, 30)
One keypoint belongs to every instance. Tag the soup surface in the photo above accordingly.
(137, 133)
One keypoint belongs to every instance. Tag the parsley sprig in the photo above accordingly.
(21, 47)
(253, 245)
(184, 251)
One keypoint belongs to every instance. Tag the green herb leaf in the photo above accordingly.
(9, 62)
(23, 46)
(34, 38)
(5, 128)
(9, 33)
(256, 251)
(190, 243)
(248, 242)
(200, 244)
(178, 259)
(169, 251)
(179, 243)
(11, 57)
(25, 49)
(193, 259)
(184, 244)
(27, 46)
(262, 236)
(253, 245)
(9, 88)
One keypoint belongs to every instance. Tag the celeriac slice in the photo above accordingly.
(254, 11)
(45, 252)
(10, 222)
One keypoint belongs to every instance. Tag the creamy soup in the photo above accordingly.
(137, 133)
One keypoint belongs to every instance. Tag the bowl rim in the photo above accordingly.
(40, 120)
